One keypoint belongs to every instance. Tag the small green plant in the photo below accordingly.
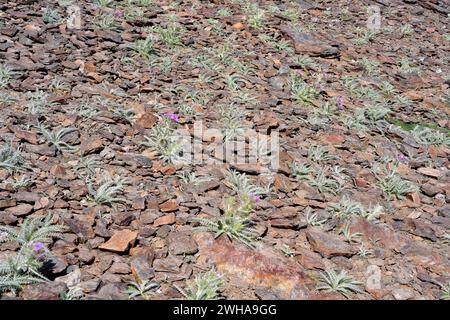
(74, 293)
(86, 166)
(106, 21)
(330, 281)
(319, 153)
(190, 178)
(233, 81)
(301, 171)
(392, 183)
(104, 3)
(55, 138)
(445, 291)
(369, 66)
(364, 36)
(407, 67)
(141, 289)
(300, 91)
(11, 159)
(287, 251)
(363, 251)
(313, 219)
(163, 140)
(145, 48)
(5, 75)
(255, 15)
(406, 30)
(324, 181)
(109, 190)
(203, 287)
(234, 222)
(349, 236)
(224, 12)
(429, 137)
(23, 268)
(242, 185)
(23, 182)
(170, 35)
(446, 238)
(127, 115)
(232, 119)
(38, 102)
(304, 62)
(346, 207)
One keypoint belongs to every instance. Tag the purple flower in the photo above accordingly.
(172, 116)
(255, 197)
(118, 13)
(38, 246)
(318, 86)
(402, 157)
(340, 103)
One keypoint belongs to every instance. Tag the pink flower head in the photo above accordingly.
(318, 86)
(340, 103)
(38, 247)
(172, 116)
(402, 157)
(118, 13)
(255, 197)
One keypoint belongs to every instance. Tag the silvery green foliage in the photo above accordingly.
(38, 102)
(392, 183)
(203, 287)
(330, 281)
(5, 75)
(128, 115)
(326, 181)
(109, 190)
(145, 48)
(242, 185)
(51, 16)
(319, 153)
(287, 251)
(349, 236)
(301, 171)
(23, 267)
(313, 219)
(74, 293)
(234, 222)
(86, 166)
(164, 140)
(141, 289)
(232, 119)
(428, 137)
(55, 138)
(363, 251)
(190, 178)
(11, 159)
(445, 291)
(300, 91)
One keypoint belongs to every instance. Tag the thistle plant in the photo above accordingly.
(407, 67)
(313, 219)
(6, 99)
(232, 119)
(233, 81)
(190, 178)
(242, 185)
(287, 251)
(109, 190)
(301, 171)
(224, 12)
(349, 236)
(186, 110)
(104, 3)
(55, 138)
(300, 91)
(11, 159)
(23, 268)
(141, 289)
(319, 153)
(86, 166)
(392, 183)
(406, 30)
(74, 293)
(127, 115)
(364, 36)
(445, 289)
(330, 281)
(32, 230)
(304, 62)
(170, 35)
(234, 222)
(106, 21)
(203, 287)
(369, 66)
(346, 207)
(145, 48)
(84, 109)
(5, 76)
(363, 251)
(387, 89)
(428, 137)
(38, 103)
(23, 182)
(163, 140)
(325, 182)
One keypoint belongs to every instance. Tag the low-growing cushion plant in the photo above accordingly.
(204, 287)
(331, 281)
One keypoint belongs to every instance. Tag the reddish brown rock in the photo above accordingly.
(328, 244)
(167, 219)
(120, 242)
(20, 210)
(168, 206)
(147, 120)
